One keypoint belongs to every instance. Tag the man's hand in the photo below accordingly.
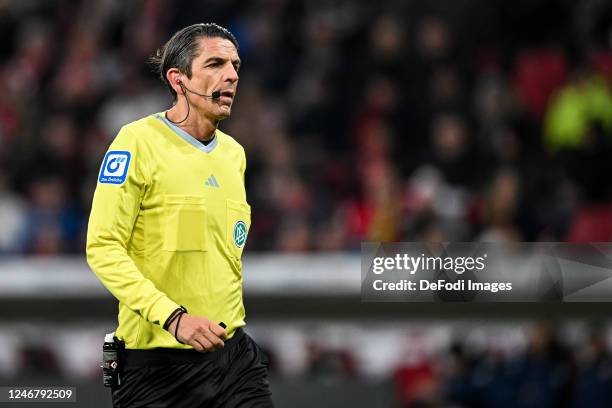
(199, 332)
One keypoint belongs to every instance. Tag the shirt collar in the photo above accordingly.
(188, 138)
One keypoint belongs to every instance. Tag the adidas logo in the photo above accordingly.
(212, 182)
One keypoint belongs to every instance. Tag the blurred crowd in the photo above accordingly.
(546, 372)
(537, 367)
(397, 120)
(493, 365)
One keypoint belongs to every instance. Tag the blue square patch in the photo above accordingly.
(115, 167)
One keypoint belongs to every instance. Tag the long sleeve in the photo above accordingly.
(121, 186)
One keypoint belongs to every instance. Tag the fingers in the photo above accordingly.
(200, 342)
(218, 330)
(197, 345)
(205, 340)
(202, 334)
(215, 341)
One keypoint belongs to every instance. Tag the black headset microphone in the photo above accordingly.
(214, 96)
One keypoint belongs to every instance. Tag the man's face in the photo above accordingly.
(214, 69)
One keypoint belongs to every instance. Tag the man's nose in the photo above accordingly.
(231, 74)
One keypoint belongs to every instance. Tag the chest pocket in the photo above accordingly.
(238, 224)
(185, 226)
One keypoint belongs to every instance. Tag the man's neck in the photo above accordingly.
(198, 126)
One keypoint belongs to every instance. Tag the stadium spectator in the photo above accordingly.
(374, 122)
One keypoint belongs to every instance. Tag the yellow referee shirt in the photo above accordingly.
(168, 224)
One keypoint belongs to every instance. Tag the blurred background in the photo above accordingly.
(440, 120)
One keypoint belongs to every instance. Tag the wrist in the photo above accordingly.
(170, 323)
(172, 327)
(175, 326)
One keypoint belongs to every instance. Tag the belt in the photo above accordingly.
(169, 356)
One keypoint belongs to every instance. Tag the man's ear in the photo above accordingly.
(174, 78)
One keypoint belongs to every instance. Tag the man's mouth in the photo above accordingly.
(227, 97)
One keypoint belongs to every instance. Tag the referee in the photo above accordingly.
(168, 225)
